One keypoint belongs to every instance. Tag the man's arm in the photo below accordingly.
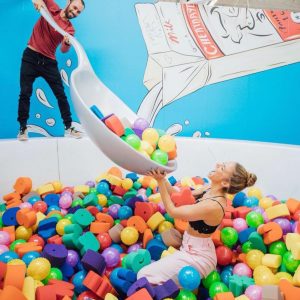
(65, 45)
(38, 4)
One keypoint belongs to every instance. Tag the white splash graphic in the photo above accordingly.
(69, 63)
(42, 98)
(197, 134)
(39, 130)
(64, 76)
(187, 122)
(206, 133)
(38, 116)
(174, 129)
(50, 122)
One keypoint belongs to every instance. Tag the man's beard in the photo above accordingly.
(68, 13)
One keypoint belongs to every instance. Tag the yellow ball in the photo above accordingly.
(254, 258)
(153, 184)
(127, 183)
(263, 276)
(39, 268)
(150, 135)
(146, 146)
(284, 275)
(16, 261)
(254, 192)
(265, 202)
(129, 235)
(60, 226)
(102, 200)
(167, 143)
(144, 153)
(23, 233)
(57, 186)
(165, 225)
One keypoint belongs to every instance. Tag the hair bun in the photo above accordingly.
(251, 179)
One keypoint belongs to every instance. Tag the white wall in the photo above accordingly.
(76, 161)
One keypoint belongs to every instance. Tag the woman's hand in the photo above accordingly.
(157, 174)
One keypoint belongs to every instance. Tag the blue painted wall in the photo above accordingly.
(260, 107)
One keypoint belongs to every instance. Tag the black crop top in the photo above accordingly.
(200, 225)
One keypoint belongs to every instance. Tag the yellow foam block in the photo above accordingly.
(39, 217)
(57, 185)
(153, 184)
(155, 198)
(277, 211)
(114, 180)
(28, 289)
(271, 260)
(155, 220)
(293, 243)
(102, 176)
(45, 189)
(110, 296)
(242, 297)
(165, 253)
(187, 181)
(171, 249)
(82, 188)
(296, 277)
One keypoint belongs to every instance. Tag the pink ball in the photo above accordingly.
(4, 238)
(254, 292)
(161, 208)
(266, 219)
(65, 201)
(239, 224)
(3, 249)
(25, 205)
(242, 269)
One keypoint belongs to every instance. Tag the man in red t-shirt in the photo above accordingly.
(39, 61)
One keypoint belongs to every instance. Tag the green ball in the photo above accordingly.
(160, 157)
(216, 288)
(93, 191)
(57, 216)
(212, 277)
(278, 248)
(247, 246)
(185, 295)
(169, 218)
(15, 243)
(1, 223)
(55, 273)
(254, 219)
(117, 221)
(133, 140)
(229, 236)
(69, 217)
(77, 202)
(289, 262)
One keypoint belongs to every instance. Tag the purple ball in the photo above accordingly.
(258, 209)
(254, 292)
(90, 183)
(72, 258)
(134, 248)
(113, 210)
(140, 124)
(284, 224)
(272, 197)
(111, 256)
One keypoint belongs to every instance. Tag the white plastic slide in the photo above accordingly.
(86, 91)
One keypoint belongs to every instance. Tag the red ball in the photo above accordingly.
(87, 295)
(37, 239)
(40, 206)
(104, 240)
(224, 255)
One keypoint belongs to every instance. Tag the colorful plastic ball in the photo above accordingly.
(104, 240)
(23, 233)
(289, 262)
(25, 205)
(113, 210)
(16, 262)
(147, 147)
(185, 295)
(65, 201)
(160, 157)
(8, 256)
(134, 248)
(239, 224)
(125, 212)
(118, 247)
(77, 280)
(72, 258)
(211, 278)
(251, 202)
(111, 257)
(238, 199)
(40, 206)
(34, 199)
(127, 183)
(263, 276)
(246, 247)
(216, 288)
(229, 236)
(258, 209)
(224, 255)
(225, 275)
(53, 208)
(140, 124)
(278, 248)
(29, 256)
(164, 226)
(150, 135)
(3, 248)
(254, 219)
(37, 239)
(77, 202)
(103, 187)
(129, 235)
(254, 292)
(102, 200)
(61, 224)
(266, 202)
(189, 278)
(254, 258)
(254, 192)
(54, 273)
(284, 275)
(4, 238)
(39, 268)
(285, 225)
(242, 269)
(133, 140)
(167, 143)
(15, 243)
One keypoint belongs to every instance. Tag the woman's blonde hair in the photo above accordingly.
(240, 179)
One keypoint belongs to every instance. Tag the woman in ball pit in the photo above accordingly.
(204, 217)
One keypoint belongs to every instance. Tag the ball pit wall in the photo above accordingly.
(74, 162)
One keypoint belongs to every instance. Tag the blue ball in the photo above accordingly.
(52, 208)
(189, 278)
(29, 256)
(118, 247)
(103, 187)
(78, 282)
(239, 199)
(225, 274)
(125, 212)
(251, 202)
(8, 256)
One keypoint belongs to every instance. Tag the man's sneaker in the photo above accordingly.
(23, 134)
(72, 132)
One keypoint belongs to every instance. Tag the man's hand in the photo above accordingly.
(66, 40)
(157, 174)
(38, 4)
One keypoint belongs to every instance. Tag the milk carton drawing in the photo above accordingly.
(193, 45)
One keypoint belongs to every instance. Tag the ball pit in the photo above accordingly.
(72, 239)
